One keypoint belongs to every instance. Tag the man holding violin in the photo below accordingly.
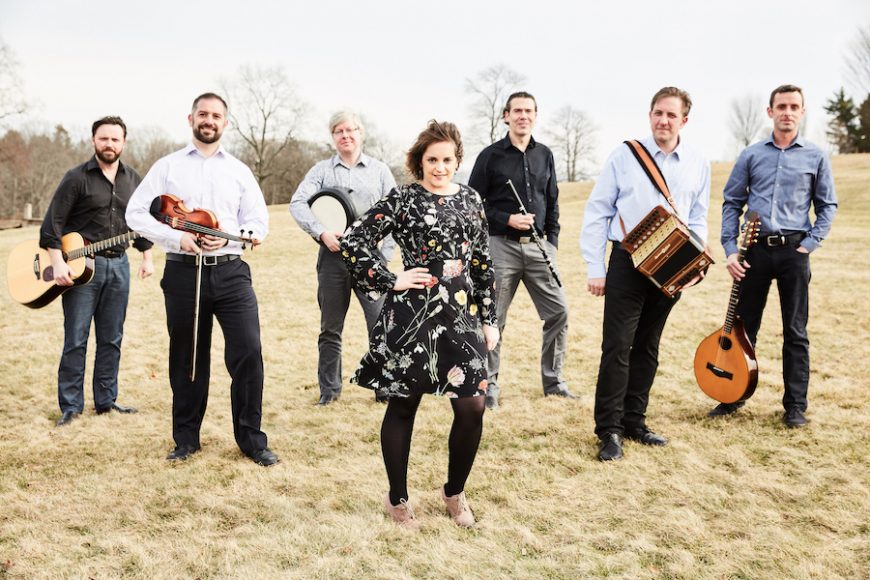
(366, 180)
(204, 175)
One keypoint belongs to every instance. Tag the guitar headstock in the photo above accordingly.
(751, 227)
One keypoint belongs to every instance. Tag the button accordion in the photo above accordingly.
(666, 251)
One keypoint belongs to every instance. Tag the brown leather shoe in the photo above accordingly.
(457, 506)
(401, 514)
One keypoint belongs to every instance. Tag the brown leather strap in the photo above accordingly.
(651, 168)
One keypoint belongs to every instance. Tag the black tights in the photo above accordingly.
(464, 439)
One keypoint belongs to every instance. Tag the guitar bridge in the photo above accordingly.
(721, 373)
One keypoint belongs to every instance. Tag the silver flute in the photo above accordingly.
(535, 236)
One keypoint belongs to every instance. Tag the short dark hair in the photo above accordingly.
(108, 121)
(209, 96)
(666, 92)
(786, 89)
(518, 95)
(434, 132)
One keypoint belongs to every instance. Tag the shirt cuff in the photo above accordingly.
(810, 243)
(596, 270)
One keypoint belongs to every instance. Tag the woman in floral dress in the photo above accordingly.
(438, 320)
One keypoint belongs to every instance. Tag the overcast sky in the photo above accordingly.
(402, 63)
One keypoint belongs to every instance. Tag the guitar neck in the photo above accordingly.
(95, 247)
(735, 295)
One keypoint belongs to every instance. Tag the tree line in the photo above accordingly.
(266, 113)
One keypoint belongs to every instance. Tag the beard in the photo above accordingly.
(214, 138)
(107, 155)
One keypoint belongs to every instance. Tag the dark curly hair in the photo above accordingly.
(434, 132)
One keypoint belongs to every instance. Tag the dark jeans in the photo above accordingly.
(227, 295)
(333, 296)
(791, 270)
(635, 312)
(103, 299)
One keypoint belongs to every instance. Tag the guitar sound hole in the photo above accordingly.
(725, 343)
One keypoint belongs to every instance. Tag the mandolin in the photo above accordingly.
(725, 364)
(30, 275)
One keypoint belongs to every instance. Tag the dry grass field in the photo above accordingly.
(742, 497)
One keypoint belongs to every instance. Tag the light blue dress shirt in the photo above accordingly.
(779, 185)
(624, 189)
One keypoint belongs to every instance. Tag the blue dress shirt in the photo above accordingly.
(624, 189)
(779, 185)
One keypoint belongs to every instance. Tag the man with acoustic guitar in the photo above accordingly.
(91, 200)
(204, 263)
(635, 310)
(780, 178)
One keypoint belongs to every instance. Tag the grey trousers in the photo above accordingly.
(333, 296)
(515, 262)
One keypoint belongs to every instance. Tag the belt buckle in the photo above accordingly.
(775, 241)
(209, 260)
(524, 239)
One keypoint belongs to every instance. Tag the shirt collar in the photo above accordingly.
(191, 148)
(363, 160)
(506, 142)
(94, 164)
(653, 147)
(798, 141)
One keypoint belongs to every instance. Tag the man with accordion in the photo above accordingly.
(636, 308)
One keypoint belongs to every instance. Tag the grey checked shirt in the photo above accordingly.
(369, 180)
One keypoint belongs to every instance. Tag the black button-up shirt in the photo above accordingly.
(532, 172)
(88, 203)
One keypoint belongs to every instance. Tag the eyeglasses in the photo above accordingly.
(339, 133)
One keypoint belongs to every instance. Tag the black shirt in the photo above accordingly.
(88, 203)
(533, 174)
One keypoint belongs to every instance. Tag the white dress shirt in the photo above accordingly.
(220, 183)
(624, 189)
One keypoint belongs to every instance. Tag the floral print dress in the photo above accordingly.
(429, 340)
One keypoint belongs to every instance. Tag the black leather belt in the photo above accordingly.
(206, 260)
(521, 238)
(780, 240)
(110, 254)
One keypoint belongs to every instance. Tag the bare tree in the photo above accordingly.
(12, 100)
(147, 145)
(858, 60)
(265, 113)
(747, 119)
(573, 140)
(489, 90)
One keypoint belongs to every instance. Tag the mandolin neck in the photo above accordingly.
(735, 295)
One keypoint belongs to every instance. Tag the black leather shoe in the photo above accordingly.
(610, 447)
(794, 417)
(182, 452)
(645, 436)
(723, 409)
(118, 408)
(66, 418)
(561, 393)
(326, 400)
(264, 457)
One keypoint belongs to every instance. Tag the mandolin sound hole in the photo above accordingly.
(725, 343)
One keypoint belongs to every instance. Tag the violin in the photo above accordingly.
(170, 210)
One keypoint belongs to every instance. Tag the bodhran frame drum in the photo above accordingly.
(335, 208)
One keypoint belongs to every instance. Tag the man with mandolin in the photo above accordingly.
(635, 309)
(205, 277)
(91, 201)
(780, 178)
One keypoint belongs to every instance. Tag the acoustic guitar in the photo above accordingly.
(725, 364)
(30, 274)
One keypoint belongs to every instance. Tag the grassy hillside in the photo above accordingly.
(742, 497)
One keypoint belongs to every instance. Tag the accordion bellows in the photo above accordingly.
(666, 251)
